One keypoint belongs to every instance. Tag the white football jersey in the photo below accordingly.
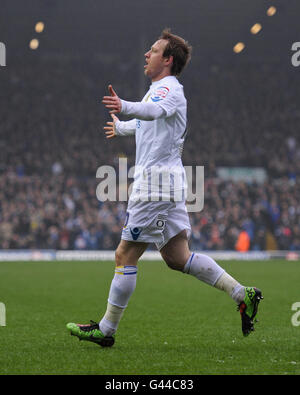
(159, 143)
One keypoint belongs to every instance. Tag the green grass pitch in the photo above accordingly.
(174, 324)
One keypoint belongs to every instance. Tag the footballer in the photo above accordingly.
(158, 214)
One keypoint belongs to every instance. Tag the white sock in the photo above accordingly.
(122, 287)
(109, 323)
(234, 289)
(204, 268)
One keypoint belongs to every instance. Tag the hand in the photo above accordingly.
(112, 102)
(111, 128)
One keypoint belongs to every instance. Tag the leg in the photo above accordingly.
(129, 252)
(122, 287)
(177, 255)
(176, 252)
(142, 224)
(123, 284)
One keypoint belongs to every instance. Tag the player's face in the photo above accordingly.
(156, 64)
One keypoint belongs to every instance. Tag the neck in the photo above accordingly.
(161, 76)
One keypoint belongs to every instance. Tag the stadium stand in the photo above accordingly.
(54, 143)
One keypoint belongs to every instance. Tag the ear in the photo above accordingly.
(169, 61)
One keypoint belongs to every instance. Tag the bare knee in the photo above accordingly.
(176, 252)
(119, 256)
(122, 256)
(128, 253)
(173, 262)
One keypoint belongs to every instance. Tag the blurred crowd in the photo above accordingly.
(52, 143)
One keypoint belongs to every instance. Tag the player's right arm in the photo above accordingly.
(163, 104)
(119, 128)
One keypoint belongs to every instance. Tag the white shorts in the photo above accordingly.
(155, 222)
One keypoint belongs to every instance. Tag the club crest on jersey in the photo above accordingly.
(135, 232)
(161, 221)
(159, 93)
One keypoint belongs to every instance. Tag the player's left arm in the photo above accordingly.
(119, 128)
(162, 103)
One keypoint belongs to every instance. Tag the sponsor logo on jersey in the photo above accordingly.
(159, 93)
(135, 232)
